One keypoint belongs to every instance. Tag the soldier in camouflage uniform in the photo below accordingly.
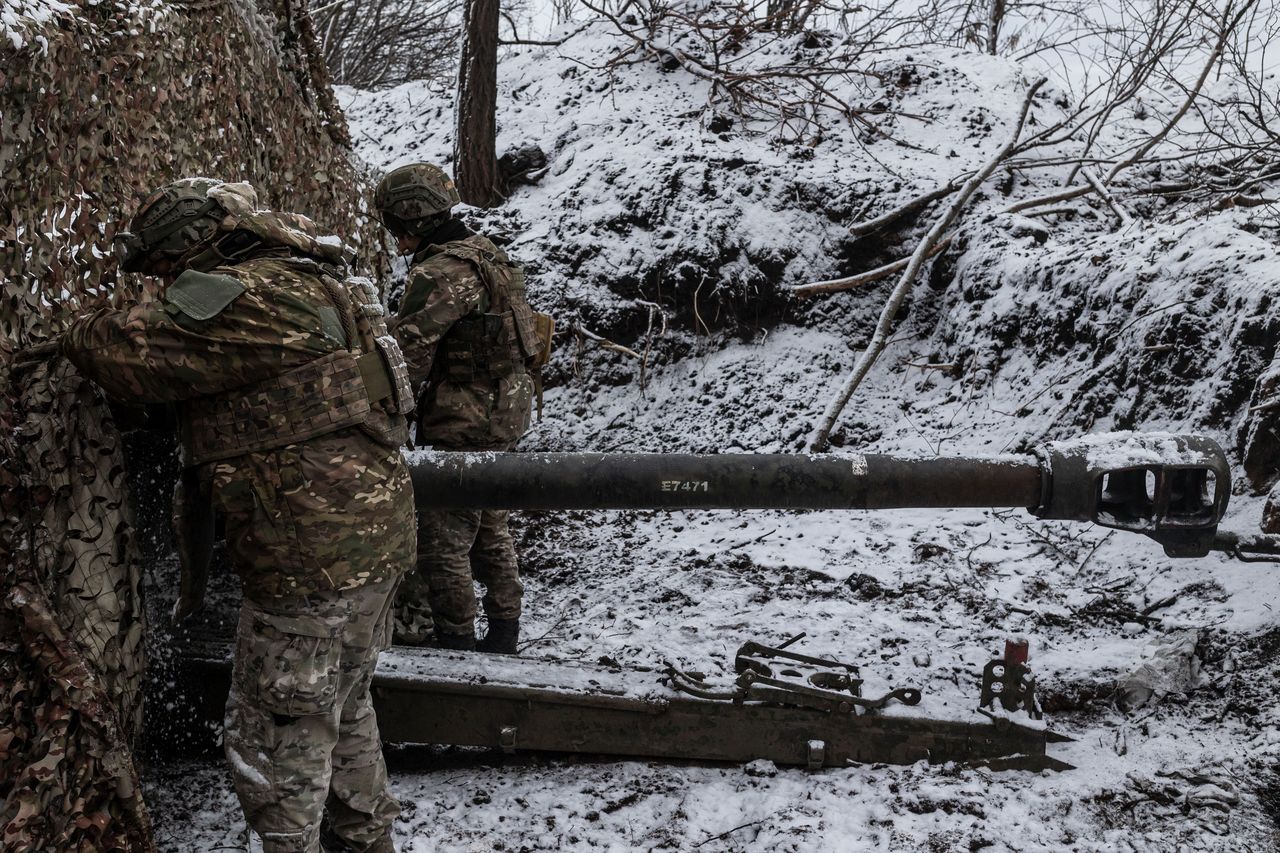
(292, 402)
(467, 334)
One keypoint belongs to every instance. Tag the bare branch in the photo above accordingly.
(584, 334)
(821, 438)
(1101, 189)
(868, 277)
(911, 208)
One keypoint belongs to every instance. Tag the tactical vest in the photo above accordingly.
(365, 385)
(500, 341)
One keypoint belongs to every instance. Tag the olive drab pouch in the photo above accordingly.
(526, 321)
(546, 330)
(546, 326)
(393, 360)
(290, 661)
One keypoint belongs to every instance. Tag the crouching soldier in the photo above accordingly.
(291, 402)
(468, 337)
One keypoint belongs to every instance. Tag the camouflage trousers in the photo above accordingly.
(456, 548)
(301, 735)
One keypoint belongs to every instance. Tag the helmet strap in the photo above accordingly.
(446, 229)
(230, 247)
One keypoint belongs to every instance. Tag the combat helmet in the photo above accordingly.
(413, 198)
(172, 220)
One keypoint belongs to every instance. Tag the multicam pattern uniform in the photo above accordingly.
(486, 413)
(319, 531)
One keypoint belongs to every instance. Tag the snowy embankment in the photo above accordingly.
(1024, 330)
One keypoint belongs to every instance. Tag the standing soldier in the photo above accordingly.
(468, 335)
(292, 402)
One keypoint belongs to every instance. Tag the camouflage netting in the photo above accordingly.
(99, 102)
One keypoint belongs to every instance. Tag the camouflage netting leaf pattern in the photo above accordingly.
(70, 690)
(102, 102)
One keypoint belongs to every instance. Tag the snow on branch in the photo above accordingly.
(870, 276)
(1227, 26)
(727, 45)
(924, 249)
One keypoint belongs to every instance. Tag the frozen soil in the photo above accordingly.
(1024, 330)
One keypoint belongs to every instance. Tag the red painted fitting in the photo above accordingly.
(1017, 650)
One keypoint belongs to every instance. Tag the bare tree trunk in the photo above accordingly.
(475, 157)
(994, 19)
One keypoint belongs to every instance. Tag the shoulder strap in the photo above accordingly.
(495, 270)
(341, 299)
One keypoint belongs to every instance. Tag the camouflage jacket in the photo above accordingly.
(332, 512)
(486, 413)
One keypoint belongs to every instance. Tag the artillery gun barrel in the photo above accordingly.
(1171, 488)
(549, 481)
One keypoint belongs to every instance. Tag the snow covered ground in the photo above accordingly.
(1025, 330)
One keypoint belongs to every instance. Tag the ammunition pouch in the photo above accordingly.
(395, 375)
(545, 325)
(322, 396)
(526, 323)
(478, 348)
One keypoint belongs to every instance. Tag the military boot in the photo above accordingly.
(503, 637)
(330, 842)
(382, 845)
(456, 642)
(427, 641)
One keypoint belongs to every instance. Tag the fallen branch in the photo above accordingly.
(949, 367)
(884, 220)
(1167, 601)
(729, 832)
(648, 336)
(821, 438)
(697, 315)
(1069, 194)
(1101, 189)
(1055, 211)
(1246, 201)
(602, 342)
(838, 284)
